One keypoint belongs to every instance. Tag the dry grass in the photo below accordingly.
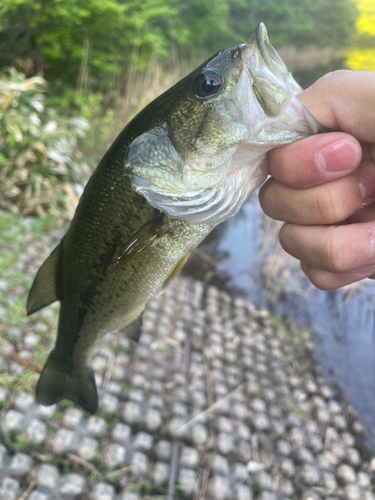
(135, 89)
(309, 57)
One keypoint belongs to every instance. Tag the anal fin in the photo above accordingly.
(175, 271)
(134, 329)
(47, 285)
(146, 237)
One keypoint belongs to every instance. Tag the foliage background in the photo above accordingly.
(103, 60)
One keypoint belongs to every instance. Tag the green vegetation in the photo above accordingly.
(15, 442)
(101, 62)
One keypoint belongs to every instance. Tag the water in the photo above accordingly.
(342, 323)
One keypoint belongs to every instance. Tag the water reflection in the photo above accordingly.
(341, 322)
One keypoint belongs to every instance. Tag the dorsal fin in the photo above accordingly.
(175, 271)
(47, 286)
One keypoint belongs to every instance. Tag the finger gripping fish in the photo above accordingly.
(185, 163)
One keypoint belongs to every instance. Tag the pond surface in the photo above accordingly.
(342, 323)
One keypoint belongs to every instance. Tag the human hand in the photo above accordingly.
(324, 186)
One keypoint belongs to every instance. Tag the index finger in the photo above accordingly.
(344, 100)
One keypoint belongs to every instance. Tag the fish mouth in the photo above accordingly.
(272, 84)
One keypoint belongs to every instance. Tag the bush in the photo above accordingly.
(41, 168)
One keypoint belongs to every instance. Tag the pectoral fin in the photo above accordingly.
(176, 270)
(133, 330)
(47, 286)
(147, 236)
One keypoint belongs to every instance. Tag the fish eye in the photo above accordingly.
(207, 84)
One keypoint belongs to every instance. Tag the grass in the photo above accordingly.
(16, 234)
(15, 442)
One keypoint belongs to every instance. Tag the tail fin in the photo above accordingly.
(55, 385)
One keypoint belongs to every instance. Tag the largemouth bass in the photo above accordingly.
(184, 164)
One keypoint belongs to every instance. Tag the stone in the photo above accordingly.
(72, 484)
(63, 441)
(329, 481)
(47, 476)
(31, 339)
(219, 488)
(102, 491)
(163, 450)
(266, 495)
(114, 455)
(303, 455)
(132, 413)
(189, 457)
(9, 489)
(24, 402)
(36, 431)
(109, 403)
(114, 387)
(353, 457)
(37, 495)
(121, 433)
(258, 405)
(160, 473)
(260, 421)
(12, 421)
(364, 479)
(310, 495)
(309, 475)
(283, 448)
(20, 464)
(218, 464)
(95, 425)
(142, 441)
(139, 464)
(72, 417)
(285, 488)
(262, 481)
(287, 467)
(87, 448)
(243, 450)
(3, 394)
(99, 364)
(199, 434)
(44, 411)
(240, 472)
(153, 420)
(296, 437)
(187, 480)
(353, 492)
(346, 474)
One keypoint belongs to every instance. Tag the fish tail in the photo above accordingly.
(78, 386)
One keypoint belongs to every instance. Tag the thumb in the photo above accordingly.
(344, 100)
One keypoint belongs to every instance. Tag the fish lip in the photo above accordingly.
(259, 54)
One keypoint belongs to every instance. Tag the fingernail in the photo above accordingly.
(367, 182)
(338, 156)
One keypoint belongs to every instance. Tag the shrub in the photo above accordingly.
(41, 168)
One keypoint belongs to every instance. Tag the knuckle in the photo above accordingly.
(330, 205)
(332, 254)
